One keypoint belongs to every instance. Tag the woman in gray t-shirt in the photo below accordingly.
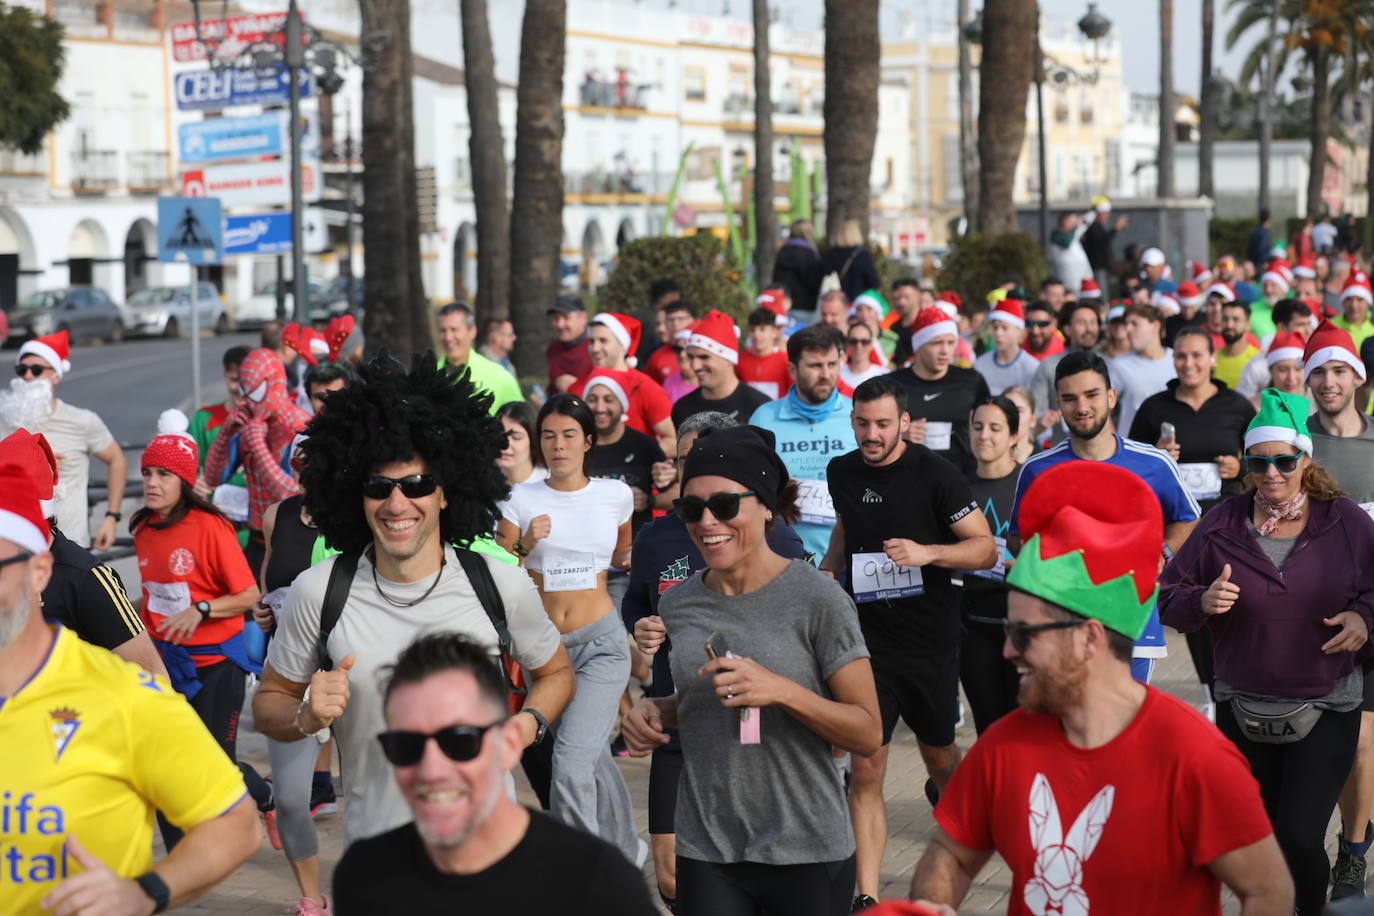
(762, 823)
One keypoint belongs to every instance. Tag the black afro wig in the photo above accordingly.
(393, 415)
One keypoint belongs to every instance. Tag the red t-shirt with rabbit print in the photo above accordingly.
(1128, 827)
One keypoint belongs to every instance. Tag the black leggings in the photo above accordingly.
(1200, 648)
(1300, 783)
(751, 889)
(990, 681)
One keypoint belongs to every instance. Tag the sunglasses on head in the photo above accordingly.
(1037, 324)
(859, 341)
(458, 742)
(724, 506)
(412, 487)
(32, 369)
(1259, 464)
(1020, 634)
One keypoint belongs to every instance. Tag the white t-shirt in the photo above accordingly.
(855, 379)
(1020, 371)
(74, 434)
(1255, 377)
(1135, 379)
(583, 524)
(376, 631)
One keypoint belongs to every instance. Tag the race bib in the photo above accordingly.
(167, 598)
(997, 573)
(876, 578)
(816, 506)
(232, 500)
(1202, 480)
(569, 572)
(938, 433)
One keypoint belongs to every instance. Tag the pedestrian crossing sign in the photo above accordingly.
(190, 230)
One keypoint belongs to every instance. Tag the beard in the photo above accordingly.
(1053, 691)
(26, 405)
(1088, 432)
(1231, 336)
(15, 617)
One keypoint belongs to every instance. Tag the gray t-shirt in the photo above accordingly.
(779, 802)
(376, 631)
(1349, 459)
(75, 435)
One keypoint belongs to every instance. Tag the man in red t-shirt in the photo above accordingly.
(612, 338)
(568, 356)
(1101, 794)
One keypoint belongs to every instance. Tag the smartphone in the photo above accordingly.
(1167, 431)
(717, 646)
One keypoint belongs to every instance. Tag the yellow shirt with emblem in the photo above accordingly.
(92, 745)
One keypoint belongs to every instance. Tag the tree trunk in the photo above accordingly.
(765, 218)
(486, 149)
(537, 208)
(1005, 76)
(968, 149)
(1165, 168)
(1321, 129)
(1369, 195)
(852, 52)
(1266, 107)
(1207, 108)
(397, 315)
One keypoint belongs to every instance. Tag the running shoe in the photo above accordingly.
(1347, 875)
(323, 801)
(269, 823)
(307, 906)
(861, 903)
(932, 792)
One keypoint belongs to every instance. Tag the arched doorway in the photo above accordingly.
(140, 247)
(465, 263)
(16, 257)
(626, 233)
(85, 248)
(593, 250)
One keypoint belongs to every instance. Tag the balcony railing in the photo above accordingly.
(95, 170)
(599, 181)
(737, 104)
(597, 93)
(148, 171)
(13, 162)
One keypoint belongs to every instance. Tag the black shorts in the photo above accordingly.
(665, 769)
(922, 691)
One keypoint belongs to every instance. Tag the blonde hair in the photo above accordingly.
(849, 234)
(802, 229)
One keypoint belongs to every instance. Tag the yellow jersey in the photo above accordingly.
(91, 745)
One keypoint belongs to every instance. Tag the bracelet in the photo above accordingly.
(519, 550)
(296, 721)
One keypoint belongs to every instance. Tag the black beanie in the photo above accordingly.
(744, 454)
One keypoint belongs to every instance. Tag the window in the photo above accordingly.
(1113, 165)
(694, 84)
(954, 180)
(701, 163)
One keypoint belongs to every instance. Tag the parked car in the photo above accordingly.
(332, 301)
(261, 307)
(84, 312)
(164, 311)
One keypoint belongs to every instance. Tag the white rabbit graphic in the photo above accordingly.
(1057, 885)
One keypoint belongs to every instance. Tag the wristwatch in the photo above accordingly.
(156, 889)
(204, 608)
(117, 516)
(543, 725)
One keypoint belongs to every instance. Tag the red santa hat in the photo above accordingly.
(717, 334)
(625, 329)
(21, 520)
(1330, 343)
(1357, 287)
(1188, 294)
(1199, 273)
(53, 349)
(616, 381)
(172, 449)
(34, 455)
(950, 297)
(1011, 311)
(1226, 291)
(932, 322)
(1167, 303)
(1278, 271)
(1286, 345)
(1089, 289)
(772, 299)
(1306, 267)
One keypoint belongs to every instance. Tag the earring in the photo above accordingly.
(770, 516)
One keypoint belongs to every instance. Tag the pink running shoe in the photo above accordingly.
(307, 906)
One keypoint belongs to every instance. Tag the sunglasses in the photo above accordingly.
(724, 506)
(860, 341)
(1259, 464)
(1020, 634)
(32, 369)
(412, 487)
(1037, 324)
(458, 742)
(20, 557)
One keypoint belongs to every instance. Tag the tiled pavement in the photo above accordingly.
(264, 885)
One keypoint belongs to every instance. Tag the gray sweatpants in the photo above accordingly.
(587, 789)
(293, 773)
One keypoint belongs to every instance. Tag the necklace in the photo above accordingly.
(443, 561)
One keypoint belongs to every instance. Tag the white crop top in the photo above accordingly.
(582, 523)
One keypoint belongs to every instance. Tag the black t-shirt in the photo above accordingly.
(919, 496)
(88, 597)
(1175, 323)
(901, 353)
(984, 593)
(1217, 429)
(949, 399)
(740, 404)
(553, 869)
(631, 459)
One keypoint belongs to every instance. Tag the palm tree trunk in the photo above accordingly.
(765, 219)
(968, 150)
(537, 208)
(486, 149)
(1165, 187)
(397, 315)
(852, 52)
(1266, 106)
(1369, 191)
(1009, 27)
(1321, 130)
(1207, 133)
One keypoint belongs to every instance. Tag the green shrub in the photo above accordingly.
(698, 263)
(1229, 235)
(978, 263)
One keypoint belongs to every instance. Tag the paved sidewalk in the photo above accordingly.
(264, 885)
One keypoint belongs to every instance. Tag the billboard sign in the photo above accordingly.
(211, 90)
(252, 184)
(226, 38)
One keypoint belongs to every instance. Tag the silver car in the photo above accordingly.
(164, 311)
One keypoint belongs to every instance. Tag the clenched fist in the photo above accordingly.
(329, 692)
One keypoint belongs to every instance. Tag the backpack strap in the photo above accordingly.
(487, 593)
(335, 597)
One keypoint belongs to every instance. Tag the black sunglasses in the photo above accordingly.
(1020, 634)
(412, 487)
(1259, 464)
(17, 558)
(724, 506)
(859, 341)
(33, 369)
(458, 742)
(1037, 324)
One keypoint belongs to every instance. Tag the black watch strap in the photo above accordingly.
(156, 889)
(204, 608)
(543, 725)
(117, 516)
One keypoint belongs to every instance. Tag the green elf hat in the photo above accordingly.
(1094, 534)
(874, 300)
(1282, 418)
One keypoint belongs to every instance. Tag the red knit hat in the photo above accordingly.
(1329, 343)
(53, 349)
(717, 334)
(1089, 289)
(625, 329)
(34, 455)
(172, 449)
(1009, 310)
(1357, 287)
(21, 521)
(336, 335)
(932, 322)
(772, 299)
(1306, 267)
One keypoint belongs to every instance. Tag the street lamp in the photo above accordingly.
(973, 29)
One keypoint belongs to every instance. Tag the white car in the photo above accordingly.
(261, 307)
(164, 311)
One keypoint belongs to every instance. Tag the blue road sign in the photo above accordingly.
(211, 90)
(263, 233)
(234, 138)
(190, 230)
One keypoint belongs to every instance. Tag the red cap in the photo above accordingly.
(172, 449)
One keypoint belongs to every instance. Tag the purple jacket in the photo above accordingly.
(1270, 641)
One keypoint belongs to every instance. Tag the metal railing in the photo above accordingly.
(13, 162)
(95, 170)
(597, 93)
(148, 170)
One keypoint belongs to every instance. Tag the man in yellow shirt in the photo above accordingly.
(1355, 301)
(1236, 350)
(92, 745)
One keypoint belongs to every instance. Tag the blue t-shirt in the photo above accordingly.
(806, 448)
(1151, 465)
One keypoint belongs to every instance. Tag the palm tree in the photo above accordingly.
(397, 315)
(765, 219)
(852, 51)
(486, 149)
(1207, 114)
(1165, 163)
(536, 228)
(1264, 58)
(1009, 26)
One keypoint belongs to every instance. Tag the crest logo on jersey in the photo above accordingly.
(871, 497)
(63, 722)
(181, 562)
